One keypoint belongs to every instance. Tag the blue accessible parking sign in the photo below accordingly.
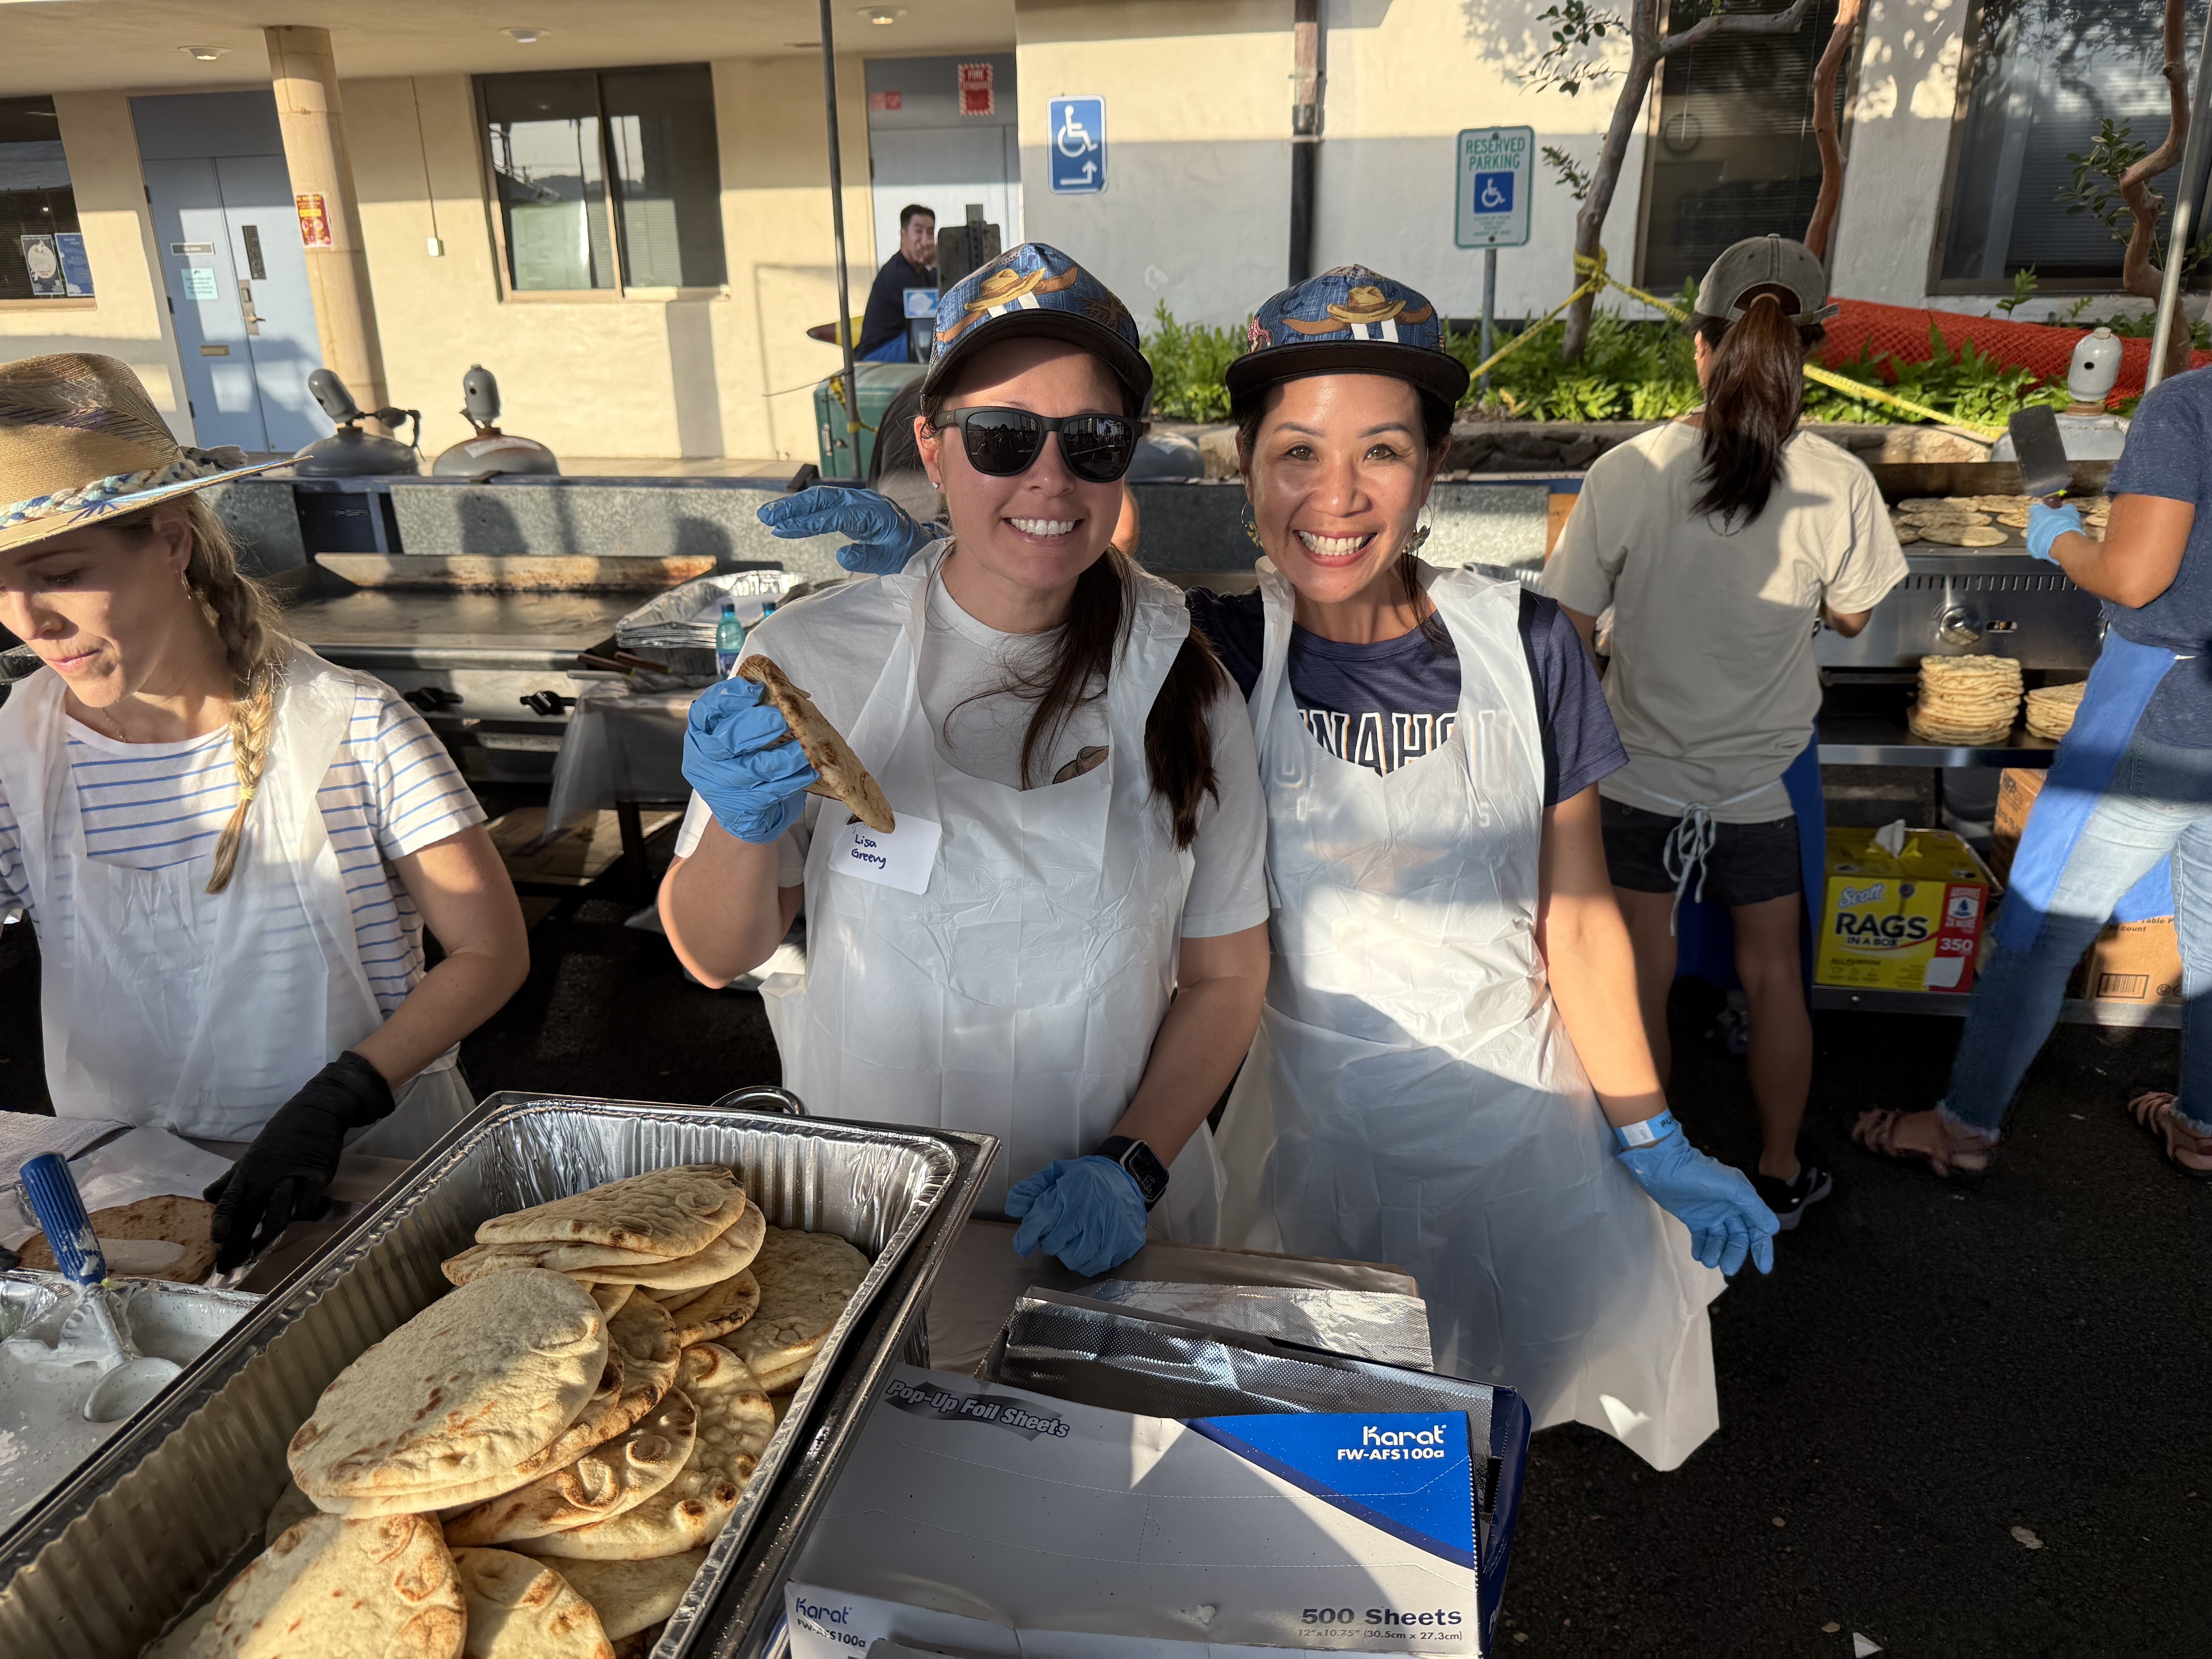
(1077, 146)
(1495, 171)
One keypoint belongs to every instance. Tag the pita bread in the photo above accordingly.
(343, 1589)
(292, 1506)
(718, 1262)
(716, 1311)
(519, 1608)
(735, 1424)
(161, 1238)
(610, 1297)
(604, 1481)
(843, 777)
(478, 1381)
(480, 1259)
(184, 1635)
(630, 1595)
(805, 1280)
(663, 1213)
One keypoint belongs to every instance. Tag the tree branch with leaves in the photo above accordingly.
(1578, 58)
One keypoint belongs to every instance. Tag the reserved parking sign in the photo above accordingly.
(1495, 168)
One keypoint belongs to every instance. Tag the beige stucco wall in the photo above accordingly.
(128, 317)
(1196, 209)
(642, 375)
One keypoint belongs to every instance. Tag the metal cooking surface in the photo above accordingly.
(1984, 603)
(536, 624)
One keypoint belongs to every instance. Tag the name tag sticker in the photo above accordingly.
(903, 858)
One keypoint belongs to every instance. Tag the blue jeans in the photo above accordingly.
(2161, 802)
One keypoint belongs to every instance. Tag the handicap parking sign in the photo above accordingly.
(1495, 171)
(1077, 150)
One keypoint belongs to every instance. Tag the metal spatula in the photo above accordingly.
(2044, 471)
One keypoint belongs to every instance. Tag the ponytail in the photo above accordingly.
(255, 646)
(1753, 395)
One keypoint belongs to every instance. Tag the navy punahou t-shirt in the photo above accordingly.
(1382, 705)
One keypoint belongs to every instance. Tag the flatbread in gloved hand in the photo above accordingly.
(843, 777)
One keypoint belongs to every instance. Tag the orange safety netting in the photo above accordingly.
(2044, 349)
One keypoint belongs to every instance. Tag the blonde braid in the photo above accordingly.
(257, 649)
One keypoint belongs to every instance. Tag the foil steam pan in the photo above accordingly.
(51, 1354)
(178, 1503)
(1366, 1324)
(1159, 1365)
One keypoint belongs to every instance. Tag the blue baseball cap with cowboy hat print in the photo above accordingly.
(1036, 290)
(1351, 320)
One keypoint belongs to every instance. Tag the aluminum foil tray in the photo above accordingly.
(175, 1504)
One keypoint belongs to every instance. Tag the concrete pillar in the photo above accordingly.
(305, 78)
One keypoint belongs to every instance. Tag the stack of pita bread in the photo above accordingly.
(1966, 699)
(1954, 520)
(533, 1466)
(2051, 708)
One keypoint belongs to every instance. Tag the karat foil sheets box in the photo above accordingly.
(975, 1519)
(1904, 920)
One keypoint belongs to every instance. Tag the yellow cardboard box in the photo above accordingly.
(1910, 922)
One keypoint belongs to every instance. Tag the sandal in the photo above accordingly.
(2189, 1152)
(1954, 1154)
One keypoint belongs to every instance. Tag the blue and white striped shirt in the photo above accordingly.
(391, 791)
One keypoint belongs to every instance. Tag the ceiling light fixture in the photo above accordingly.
(881, 16)
(203, 54)
(525, 37)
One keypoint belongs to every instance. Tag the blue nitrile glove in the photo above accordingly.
(884, 534)
(1086, 1211)
(2046, 524)
(1718, 1205)
(742, 759)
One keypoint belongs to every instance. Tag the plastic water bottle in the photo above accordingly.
(729, 640)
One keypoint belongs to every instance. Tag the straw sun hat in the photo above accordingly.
(80, 441)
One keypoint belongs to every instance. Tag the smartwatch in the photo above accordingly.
(1142, 1162)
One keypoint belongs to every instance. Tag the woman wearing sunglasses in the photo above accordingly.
(1064, 943)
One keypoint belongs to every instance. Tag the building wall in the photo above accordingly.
(128, 315)
(697, 374)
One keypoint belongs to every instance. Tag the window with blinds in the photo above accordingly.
(1732, 152)
(2040, 75)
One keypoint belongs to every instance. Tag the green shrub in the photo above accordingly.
(1189, 361)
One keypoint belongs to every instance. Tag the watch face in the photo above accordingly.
(1151, 1176)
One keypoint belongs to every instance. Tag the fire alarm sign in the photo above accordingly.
(976, 95)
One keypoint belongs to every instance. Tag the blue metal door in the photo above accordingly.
(276, 304)
(203, 285)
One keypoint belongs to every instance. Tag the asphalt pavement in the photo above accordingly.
(1957, 1419)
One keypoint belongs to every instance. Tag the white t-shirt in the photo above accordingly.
(391, 791)
(1712, 685)
(965, 668)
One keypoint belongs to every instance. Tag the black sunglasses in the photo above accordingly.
(1002, 442)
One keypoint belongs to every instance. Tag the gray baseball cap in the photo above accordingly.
(1768, 261)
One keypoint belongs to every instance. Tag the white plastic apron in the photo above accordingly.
(166, 1004)
(1412, 1096)
(1020, 994)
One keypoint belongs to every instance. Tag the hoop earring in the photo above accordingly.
(1251, 527)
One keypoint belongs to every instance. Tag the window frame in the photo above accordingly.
(57, 301)
(1654, 120)
(622, 290)
(1938, 242)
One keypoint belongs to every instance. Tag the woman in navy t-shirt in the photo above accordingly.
(1450, 1048)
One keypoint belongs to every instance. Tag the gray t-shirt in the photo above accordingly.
(836, 646)
(2169, 453)
(1713, 685)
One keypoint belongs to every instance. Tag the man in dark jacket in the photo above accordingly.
(914, 265)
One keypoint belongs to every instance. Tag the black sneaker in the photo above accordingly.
(1788, 1200)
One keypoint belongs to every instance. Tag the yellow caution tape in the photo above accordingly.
(1596, 277)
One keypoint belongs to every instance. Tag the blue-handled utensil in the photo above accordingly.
(131, 1380)
(59, 1206)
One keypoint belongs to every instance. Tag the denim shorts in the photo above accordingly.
(1749, 863)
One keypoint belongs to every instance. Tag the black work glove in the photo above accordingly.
(284, 1175)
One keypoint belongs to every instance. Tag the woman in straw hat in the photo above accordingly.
(229, 847)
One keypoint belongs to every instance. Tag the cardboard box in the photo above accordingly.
(1908, 922)
(2017, 788)
(2135, 961)
(984, 1520)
